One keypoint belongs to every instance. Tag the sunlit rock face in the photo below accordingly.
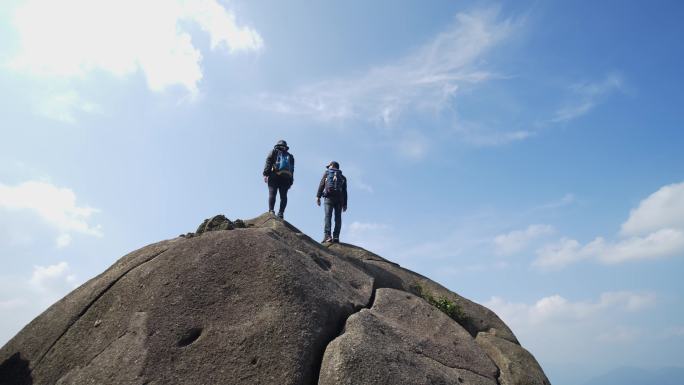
(259, 302)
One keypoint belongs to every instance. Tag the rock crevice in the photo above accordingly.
(259, 302)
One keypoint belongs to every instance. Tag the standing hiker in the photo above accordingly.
(333, 188)
(279, 175)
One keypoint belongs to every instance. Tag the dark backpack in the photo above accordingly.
(282, 162)
(334, 182)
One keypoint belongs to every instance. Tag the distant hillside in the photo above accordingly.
(638, 376)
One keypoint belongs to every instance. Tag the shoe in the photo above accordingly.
(271, 212)
(336, 240)
(327, 239)
(281, 215)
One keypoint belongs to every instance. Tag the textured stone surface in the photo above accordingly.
(517, 365)
(257, 302)
(391, 275)
(404, 340)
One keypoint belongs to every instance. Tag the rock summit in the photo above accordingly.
(259, 302)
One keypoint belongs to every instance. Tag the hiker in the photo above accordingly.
(279, 175)
(333, 188)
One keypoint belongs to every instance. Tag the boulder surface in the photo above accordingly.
(259, 302)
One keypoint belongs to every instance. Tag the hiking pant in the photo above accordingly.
(278, 184)
(333, 205)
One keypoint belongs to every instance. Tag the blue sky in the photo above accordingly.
(527, 156)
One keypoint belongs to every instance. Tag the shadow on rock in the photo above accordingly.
(15, 371)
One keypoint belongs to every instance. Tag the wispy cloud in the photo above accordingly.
(56, 206)
(653, 230)
(517, 240)
(373, 236)
(586, 96)
(53, 279)
(24, 296)
(493, 138)
(426, 80)
(65, 106)
(566, 200)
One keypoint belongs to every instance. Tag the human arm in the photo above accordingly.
(292, 169)
(268, 166)
(344, 195)
(321, 186)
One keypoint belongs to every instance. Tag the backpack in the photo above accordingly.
(334, 182)
(282, 163)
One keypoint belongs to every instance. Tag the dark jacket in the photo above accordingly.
(271, 159)
(341, 196)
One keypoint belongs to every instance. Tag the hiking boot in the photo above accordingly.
(336, 240)
(327, 239)
(281, 215)
(271, 212)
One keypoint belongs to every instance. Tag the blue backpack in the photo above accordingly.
(282, 162)
(333, 182)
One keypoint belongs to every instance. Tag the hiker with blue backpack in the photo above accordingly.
(333, 188)
(279, 175)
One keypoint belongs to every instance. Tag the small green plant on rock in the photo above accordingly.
(448, 307)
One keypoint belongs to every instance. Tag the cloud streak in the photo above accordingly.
(516, 241)
(586, 96)
(426, 80)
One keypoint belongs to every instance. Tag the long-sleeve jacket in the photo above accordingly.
(342, 195)
(271, 159)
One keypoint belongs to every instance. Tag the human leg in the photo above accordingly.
(272, 190)
(283, 198)
(338, 221)
(328, 206)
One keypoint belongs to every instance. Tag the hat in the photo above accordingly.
(333, 164)
(282, 143)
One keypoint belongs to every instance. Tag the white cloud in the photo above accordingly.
(653, 230)
(428, 79)
(562, 253)
(54, 205)
(556, 308)
(597, 328)
(361, 227)
(28, 295)
(662, 209)
(64, 106)
(557, 312)
(660, 244)
(516, 241)
(63, 240)
(54, 279)
(586, 96)
(72, 38)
